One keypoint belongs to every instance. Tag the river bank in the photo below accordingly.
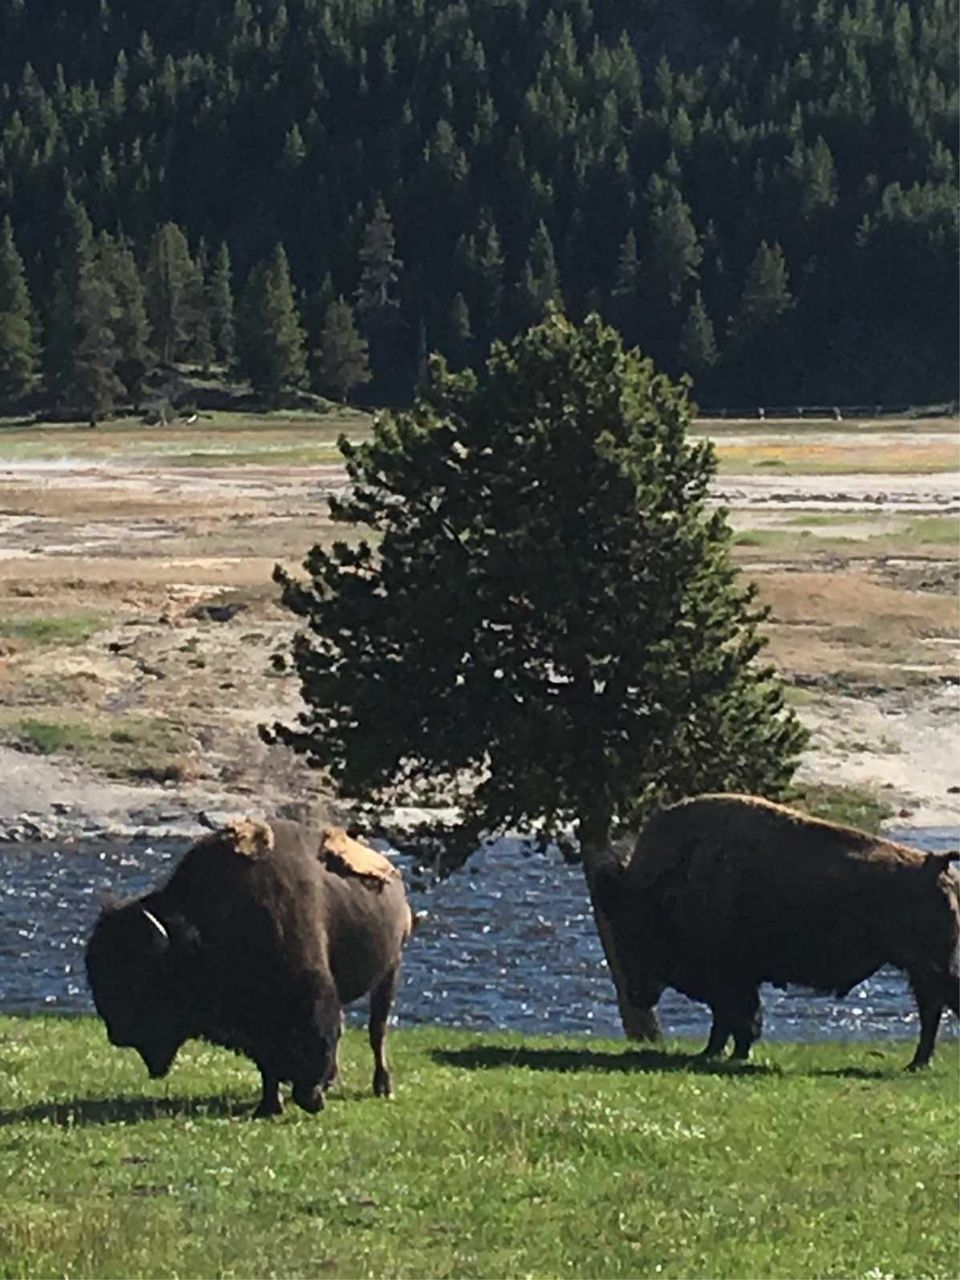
(141, 641)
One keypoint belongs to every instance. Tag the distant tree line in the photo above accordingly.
(759, 192)
(111, 323)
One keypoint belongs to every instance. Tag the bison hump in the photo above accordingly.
(345, 856)
(248, 837)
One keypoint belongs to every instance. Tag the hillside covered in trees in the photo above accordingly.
(759, 192)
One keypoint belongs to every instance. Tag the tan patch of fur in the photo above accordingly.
(348, 857)
(249, 837)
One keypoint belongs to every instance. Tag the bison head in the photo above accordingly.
(131, 967)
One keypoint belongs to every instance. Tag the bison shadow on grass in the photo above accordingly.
(486, 1057)
(489, 1057)
(88, 1111)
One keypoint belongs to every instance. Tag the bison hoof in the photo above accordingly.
(309, 1097)
(917, 1064)
(382, 1085)
(268, 1107)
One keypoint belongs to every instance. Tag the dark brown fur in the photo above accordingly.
(255, 943)
(724, 892)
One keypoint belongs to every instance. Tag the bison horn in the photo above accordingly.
(158, 927)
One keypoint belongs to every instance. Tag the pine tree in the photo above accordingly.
(458, 333)
(198, 343)
(698, 345)
(220, 307)
(270, 338)
(168, 277)
(766, 292)
(814, 178)
(489, 276)
(673, 255)
(93, 386)
(18, 353)
(546, 627)
(341, 362)
(626, 282)
(380, 268)
(131, 328)
(74, 256)
(539, 284)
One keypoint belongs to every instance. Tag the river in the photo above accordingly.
(509, 943)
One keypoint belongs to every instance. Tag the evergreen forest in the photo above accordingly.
(313, 194)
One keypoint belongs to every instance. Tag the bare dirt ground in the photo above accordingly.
(139, 624)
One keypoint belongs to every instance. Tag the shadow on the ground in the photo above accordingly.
(629, 1062)
(84, 1111)
(488, 1056)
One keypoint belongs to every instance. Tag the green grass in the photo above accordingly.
(500, 1156)
(904, 535)
(127, 747)
(62, 629)
(218, 439)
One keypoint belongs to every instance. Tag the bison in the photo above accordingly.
(256, 942)
(724, 892)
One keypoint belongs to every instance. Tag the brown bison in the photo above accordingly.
(257, 940)
(724, 892)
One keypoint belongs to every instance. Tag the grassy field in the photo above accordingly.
(282, 438)
(301, 438)
(500, 1156)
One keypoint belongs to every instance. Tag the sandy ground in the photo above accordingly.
(868, 640)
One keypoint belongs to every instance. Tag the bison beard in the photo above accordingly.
(256, 942)
(725, 892)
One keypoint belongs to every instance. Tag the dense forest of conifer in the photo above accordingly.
(759, 192)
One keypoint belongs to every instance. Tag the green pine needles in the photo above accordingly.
(545, 629)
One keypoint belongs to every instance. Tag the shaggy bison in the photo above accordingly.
(256, 942)
(724, 892)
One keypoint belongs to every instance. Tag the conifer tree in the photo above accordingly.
(378, 307)
(270, 338)
(626, 282)
(94, 386)
(220, 306)
(698, 344)
(341, 361)
(74, 256)
(18, 353)
(673, 255)
(131, 328)
(814, 178)
(489, 276)
(380, 268)
(539, 284)
(546, 632)
(199, 343)
(626, 292)
(168, 277)
(458, 333)
(766, 292)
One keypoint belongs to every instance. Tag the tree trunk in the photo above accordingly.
(639, 1019)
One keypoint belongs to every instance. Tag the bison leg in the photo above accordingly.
(270, 1103)
(719, 1035)
(314, 1048)
(928, 994)
(381, 999)
(746, 1021)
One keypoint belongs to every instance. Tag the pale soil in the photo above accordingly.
(868, 640)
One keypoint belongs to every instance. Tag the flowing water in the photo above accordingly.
(509, 943)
